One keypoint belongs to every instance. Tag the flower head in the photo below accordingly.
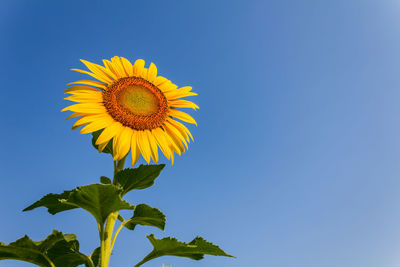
(134, 108)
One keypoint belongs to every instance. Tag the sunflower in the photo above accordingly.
(133, 108)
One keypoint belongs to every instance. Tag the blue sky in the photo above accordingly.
(296, 157)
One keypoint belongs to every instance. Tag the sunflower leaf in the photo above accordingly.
(24, 251)
(56, 250)
(98, 199)
(105, 180)
(66, 254)
(53, 202)
(138, 178)
(107, 149)
(146, 215)
(195, 250)
(95, 256)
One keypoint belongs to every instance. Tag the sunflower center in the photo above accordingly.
(139, 100)
(136, 103)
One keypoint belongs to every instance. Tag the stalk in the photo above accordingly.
(106, 235)
(116, 234)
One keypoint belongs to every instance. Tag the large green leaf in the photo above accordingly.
(66, 254)
(24, 251)
(53, 202)
(107, 149)
(57, 250)
(195, 250)
(138, 178)
(146, 215)
(52, 239)
(98, 199)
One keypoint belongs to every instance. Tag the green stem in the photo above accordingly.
(118, 166)
(102, 252)
(116, 234)
(106, 235)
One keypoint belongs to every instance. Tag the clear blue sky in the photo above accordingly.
(296, 160)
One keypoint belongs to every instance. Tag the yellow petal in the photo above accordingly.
(181, 103)
(89, 82)
(182, 129)
(127, 66)
(80, 88)
(176, 132)
(97, 125)
(86, 93)
(172, 158)
(174, 94)
(185, 89)
(159, 135)
(100, 78)
(118, 67)
(79, 123)
(121, 65)
(108, 72)
(98, 70)
(74, 115)
(152, 72)
(159, 80)
(144, 146)
(124, 142)
(144, 73)
(135, 151)
(169, 87)
(85, 98)
(183, 95)
(110, 69)
(102, 146)
(153, 145)
(89, 93)
(174, 139)
(182, 116)
(88, 119)
(109, 132)
(138, 67)
(114, 145)
(89, 108)
(172, 145)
